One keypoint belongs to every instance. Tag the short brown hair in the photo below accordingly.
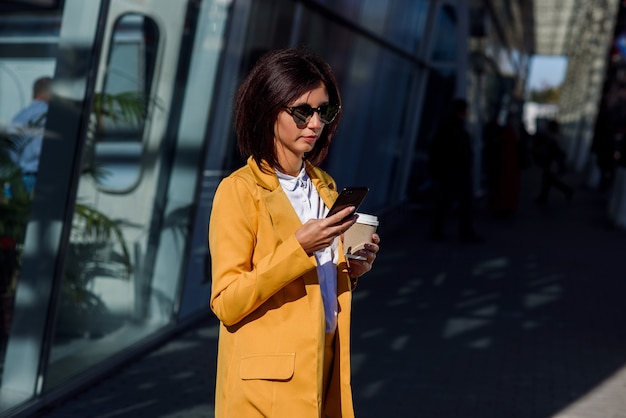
(278, 78)
(41, 85)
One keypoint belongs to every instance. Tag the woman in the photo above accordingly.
(281, 284)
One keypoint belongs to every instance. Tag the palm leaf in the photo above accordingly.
(126, 107)
(97, 226)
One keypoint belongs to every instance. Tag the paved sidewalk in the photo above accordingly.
(529, 324)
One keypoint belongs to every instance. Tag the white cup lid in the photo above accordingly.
(367, 219)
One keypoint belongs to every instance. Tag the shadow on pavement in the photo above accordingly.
(522, 325)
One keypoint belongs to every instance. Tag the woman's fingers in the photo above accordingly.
(359, 267)
(317, 234)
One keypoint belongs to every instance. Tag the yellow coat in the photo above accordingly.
(266, 294)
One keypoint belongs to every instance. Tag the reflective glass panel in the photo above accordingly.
(120, 108)
(406, 25)
(444, 48)
(376, 87)
(107, 300)
(401, 22)
(28, 47)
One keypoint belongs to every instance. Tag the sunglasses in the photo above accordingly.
(302, 114)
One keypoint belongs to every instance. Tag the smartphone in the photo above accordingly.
(355, 257)
(349, 196)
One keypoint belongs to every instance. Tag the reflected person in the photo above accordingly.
(26, 132)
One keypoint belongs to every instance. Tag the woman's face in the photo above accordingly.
(291, 140)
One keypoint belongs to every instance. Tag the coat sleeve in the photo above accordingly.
(245, 271)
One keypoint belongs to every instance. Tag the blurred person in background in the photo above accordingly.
(26, 132)
(451, 164)
(550, 158)
(502, 161)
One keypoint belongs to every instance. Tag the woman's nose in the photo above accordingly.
(315, 121)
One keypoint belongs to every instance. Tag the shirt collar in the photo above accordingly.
(291, 183)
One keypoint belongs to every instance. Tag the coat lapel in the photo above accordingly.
(283, 216)
(286, 222)
(325, 188)
(282, 213)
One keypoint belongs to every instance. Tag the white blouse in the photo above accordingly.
(309, 205)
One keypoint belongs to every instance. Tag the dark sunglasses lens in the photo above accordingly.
(328, 113)
(301, 114)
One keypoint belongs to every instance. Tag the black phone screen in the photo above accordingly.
(349, 196)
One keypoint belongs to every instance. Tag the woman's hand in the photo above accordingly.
(357, 268)
(317, 234)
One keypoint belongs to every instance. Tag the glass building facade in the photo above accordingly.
(107, 255)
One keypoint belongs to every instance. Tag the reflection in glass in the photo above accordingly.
(104, 298)
(120, 109)
(367, 73)
(401, 23)
(444, 48)
(25, 83)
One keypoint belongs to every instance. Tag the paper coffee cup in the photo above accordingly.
(360, 233)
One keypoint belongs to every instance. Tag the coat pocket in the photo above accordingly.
(279, 366)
